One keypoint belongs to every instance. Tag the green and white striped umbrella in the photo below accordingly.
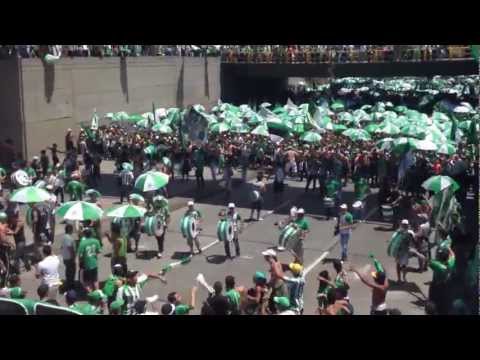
(261, 130)
(357, 134)
(127, 166)
(311, 137)
(440, 183)
(276, 123)
(337, 106)
(325, 123)
(79, 211)
(137, 197)
(219, 128)
(346, 117)
(162, 128)
(447, 149)
(239, 128)
(425, 145)
(440, 117)
(144, 123)
(152, 180)
(126, 211)
(150, 150)
(265, 105)
(121, 116)
(135, 118)
(339, 128)
(414, 131)
(371, 128)
(167, 162)
(162, 200)
(30, 195)
(388, 128)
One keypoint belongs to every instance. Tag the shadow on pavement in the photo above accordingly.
(146, 254)
(178, 255)
(216, 259)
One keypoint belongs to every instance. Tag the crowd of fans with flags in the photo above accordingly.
(414, 139)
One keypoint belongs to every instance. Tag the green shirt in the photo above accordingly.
(302, 224)
(87, 252)
(75, 189)
(196, 213)
(110, 285)
(234, 299)
(441, 271)
(332, 188)
(122, 251)
(29, 304)
(183, 309)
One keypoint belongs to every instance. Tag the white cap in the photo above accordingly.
(269, 252)
(35, 158)
(293, 211)
(231, 205)
(344, 206)
(301, 211)
(190, 203)
(405, 222)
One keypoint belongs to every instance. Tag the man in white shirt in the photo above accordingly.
(47, 271)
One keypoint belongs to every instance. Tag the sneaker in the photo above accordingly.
(260, 219)
(280, 248)
(159, 255)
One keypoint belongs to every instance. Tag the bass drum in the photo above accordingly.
(289, 237)
(328, 202)
(387, 212)
(20, 179)
(188, 227)
(225, 230)
(152, 226)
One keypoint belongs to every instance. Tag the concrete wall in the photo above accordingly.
(64, 95)
(10, 103)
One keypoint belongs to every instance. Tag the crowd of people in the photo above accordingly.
(341, 53)
(333, 161)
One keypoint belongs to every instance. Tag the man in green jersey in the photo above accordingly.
(233, 295)
(84, 309)
(75, 189)
(301, 223)
(113, 283)
(191, 211)
(88, 250)
(175, 306)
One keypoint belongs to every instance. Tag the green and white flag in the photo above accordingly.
(95, 120)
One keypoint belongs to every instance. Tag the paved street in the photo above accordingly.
(257, 237)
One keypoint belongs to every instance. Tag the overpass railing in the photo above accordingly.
(349, 56)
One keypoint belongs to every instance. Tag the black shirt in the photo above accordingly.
(219, 305)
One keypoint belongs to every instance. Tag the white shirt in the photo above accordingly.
(48, 269)
(287, 312)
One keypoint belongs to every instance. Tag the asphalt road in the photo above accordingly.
(255, 238)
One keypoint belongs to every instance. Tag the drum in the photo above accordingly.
(152, 226)
(357, 208)
(160, 201)
(288, 237)
(254, 196)
(328, 202)
(387, 212)
(20, 179)
(225, 230)
(188, 227)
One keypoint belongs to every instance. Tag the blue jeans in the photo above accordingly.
(344, 244)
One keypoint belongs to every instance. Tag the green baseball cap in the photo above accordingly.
(117, 305)
(282, 302)
(95, 295)
(260, 275)
(16, 293)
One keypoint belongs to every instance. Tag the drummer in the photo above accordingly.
(164, 213)
(191, 211)
(234, 217)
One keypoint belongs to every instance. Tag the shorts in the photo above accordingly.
(90, 275)
(402, 259)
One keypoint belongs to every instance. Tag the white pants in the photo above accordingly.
(291, 165)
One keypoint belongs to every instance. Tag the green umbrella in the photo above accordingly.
(121, 116)
(357, 134)
(152, 180)
(265, 105)
(199, 108)
(145, 123)
(361, 115)
(126, 211)
(30, 195)
(254, 119)
(440, 117)
(325, 123)
(278, 124)
(447, 148)
(413, 130)
(339, 128)
(79, 211)
(337, 106)
(388, 128)
(137, 197)
(167, 162)
(400, 109)
(371, 128)
(366, 107)
(220, 127)
(162, 128)
(426, 145)
(261, 130)
(439, 183)
(311, 137)
(345, 117)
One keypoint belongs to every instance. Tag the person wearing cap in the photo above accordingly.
(234, 217)
(115, 307)
(113, 283)
(191, 211)
(71, 298)
(345, 225)
(88, 250)
(174, 306)
(443, 267)
(257, 191)
(97, 300)
(399, 248)
(302, 224)
(257, 298)
(276, 283)
(126, 183)
(282, 306)
(296, 285)
(379, 287)
(132, 291)
(119, 247)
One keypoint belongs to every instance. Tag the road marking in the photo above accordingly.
(315, 263)
(210, 245)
